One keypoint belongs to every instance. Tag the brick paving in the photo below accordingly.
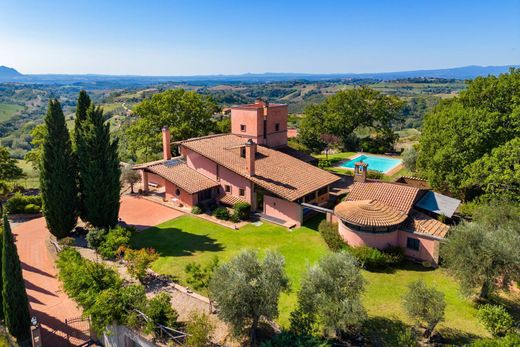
(47, 300)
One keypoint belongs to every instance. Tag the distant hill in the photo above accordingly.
(7, 72)
(459, 73)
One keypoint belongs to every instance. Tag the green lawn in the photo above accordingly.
(7, 111)
(187, 239)
(340, 156)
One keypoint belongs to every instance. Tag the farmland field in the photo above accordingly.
(7, 111)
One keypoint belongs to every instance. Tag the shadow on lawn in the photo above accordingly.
(174, 242)
(381, 331)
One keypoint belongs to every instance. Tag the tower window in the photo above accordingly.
(277, 127)
(243, 152)
(242, 127)
(227, 187)
(241, 192)
(177, 192)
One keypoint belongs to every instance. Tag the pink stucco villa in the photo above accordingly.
(253, 164)
(382, 214)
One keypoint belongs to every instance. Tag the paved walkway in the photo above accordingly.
(48, 302)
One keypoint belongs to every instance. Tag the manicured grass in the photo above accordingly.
(190, 239)
(332, 156)
(7, 111)
(384, 292)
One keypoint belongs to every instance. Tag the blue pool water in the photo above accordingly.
(381, 164)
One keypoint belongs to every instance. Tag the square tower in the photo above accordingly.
(264, 123)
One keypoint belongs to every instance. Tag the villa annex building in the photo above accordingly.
(252, 164)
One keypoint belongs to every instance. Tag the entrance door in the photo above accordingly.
(259, 200)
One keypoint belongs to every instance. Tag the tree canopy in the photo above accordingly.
(187, 113)
(57, 174)
(346, 111)
(15, 301)
(99, 172)
(247, 290)
(481, 252)
(460, 132)
(331, 290)
(8, 168)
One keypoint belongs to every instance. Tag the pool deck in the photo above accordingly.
(390, 172)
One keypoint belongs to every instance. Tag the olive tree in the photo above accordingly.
(247, 290)
(331, 290)
(424, 305)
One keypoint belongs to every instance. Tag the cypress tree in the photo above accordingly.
(16, 305)
(99, 170)
(81, 114)
(57, 174)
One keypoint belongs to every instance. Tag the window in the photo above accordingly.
(241, 192)
(243, 152)
(412, 243)
(177, 192)
(277, 127)
(227, 188)
(242, 127)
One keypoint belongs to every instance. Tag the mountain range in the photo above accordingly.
(8, 74)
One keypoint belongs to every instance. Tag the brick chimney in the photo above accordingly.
(166, 143)
(360, 171)
(250, 157)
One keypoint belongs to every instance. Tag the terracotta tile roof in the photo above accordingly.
(177, 172)
(398, 196)
(230, 200)
(275, 171)
(424, 224)
(369, 213)
(414, 182)
(145, 165)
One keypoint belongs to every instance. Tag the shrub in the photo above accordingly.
(221, 213)
(374, 259)
(511, 340)
(139, 261)
(370, 258)
(407, 338)
(199, 329)
(18, 202)
(114, 240)
(95, 237)
(329, 232)
(196, 210)
(303, 323)
(31, 209)
(199, 277)
(495, 319)
(160, 311)
(324, 163)
(395, 254)
(242, 210)
(67, 241)
(376, 175)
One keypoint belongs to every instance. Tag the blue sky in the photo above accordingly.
(230, 37)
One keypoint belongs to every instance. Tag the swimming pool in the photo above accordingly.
(375, 163)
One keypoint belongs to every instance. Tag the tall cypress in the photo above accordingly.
(57, 174)
(16, 305)
(99, 170)
(81, 114)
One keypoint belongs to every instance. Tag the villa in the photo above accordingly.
(382, 214)
(252, 164)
